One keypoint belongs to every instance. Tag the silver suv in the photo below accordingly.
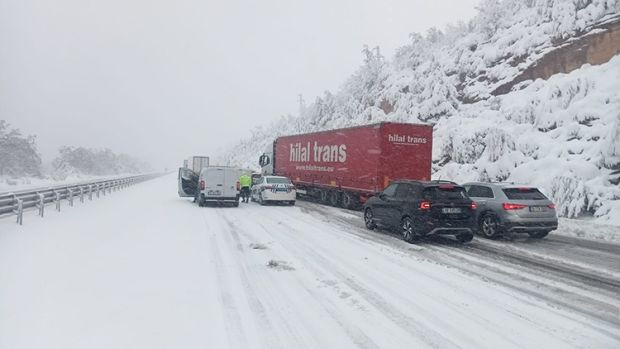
(504, 207)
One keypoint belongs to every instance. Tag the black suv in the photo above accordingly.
(419, 209)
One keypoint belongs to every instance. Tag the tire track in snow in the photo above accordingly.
(256, 305)
(355, 334)
(524, 282)
(410, 325)
(416, 328)
(591, 274)
(234, 326)
(549, 299)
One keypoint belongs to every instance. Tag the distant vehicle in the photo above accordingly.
(196, 163)
(219, 184)
(423, 208)
(504, 207)
(273, 189)
(345, 167)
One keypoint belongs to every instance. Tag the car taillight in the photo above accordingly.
(238, 185)
(425, 205)
(473, 206)
(509, 207)
(202, 185)
(551, 206)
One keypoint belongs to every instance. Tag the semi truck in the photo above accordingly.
(344, 167)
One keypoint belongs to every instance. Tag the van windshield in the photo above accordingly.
(278, 180)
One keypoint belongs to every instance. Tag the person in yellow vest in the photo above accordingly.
(245, 182)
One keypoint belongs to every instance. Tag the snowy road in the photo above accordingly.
(145, 269)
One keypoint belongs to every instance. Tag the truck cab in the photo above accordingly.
(266, 160)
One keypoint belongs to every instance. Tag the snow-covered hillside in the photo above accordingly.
(562, 134)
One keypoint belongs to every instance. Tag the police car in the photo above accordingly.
(268, 189)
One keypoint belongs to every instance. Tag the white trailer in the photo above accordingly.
(197, 163)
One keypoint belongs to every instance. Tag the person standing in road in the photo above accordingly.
(245, 181)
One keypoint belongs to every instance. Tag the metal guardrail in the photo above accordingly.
(15, 203)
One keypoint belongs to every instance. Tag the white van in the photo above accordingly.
(218, 184)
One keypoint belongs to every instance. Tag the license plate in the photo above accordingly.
(538, 208)
(214, 192)
(451, 210)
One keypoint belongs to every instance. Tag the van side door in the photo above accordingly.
(188, 183)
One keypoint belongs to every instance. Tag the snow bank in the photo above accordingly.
(24, 183)
(584, 229)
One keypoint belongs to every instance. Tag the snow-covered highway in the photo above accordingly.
(143, 268)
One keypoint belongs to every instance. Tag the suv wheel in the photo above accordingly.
(489, 226)
(407, 230)
(261, 201)
(538, 234)
(369, 219)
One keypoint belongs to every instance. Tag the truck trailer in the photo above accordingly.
(196, 163)
(344, 167)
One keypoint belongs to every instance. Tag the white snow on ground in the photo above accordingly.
(143, 268)
(588, 229)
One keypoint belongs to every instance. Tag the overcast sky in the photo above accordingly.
(163, 80)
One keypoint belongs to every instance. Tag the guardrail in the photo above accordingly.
(15, 203)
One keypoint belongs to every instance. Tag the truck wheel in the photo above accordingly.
(324, 196)
(334, 198)
(236, 203)
(369, 219)
(349, 200)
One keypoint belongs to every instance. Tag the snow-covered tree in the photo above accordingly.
(18, 154)
(85, 161)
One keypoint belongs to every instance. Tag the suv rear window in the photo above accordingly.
(444, 193)
(524, 194)
(276, 180)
